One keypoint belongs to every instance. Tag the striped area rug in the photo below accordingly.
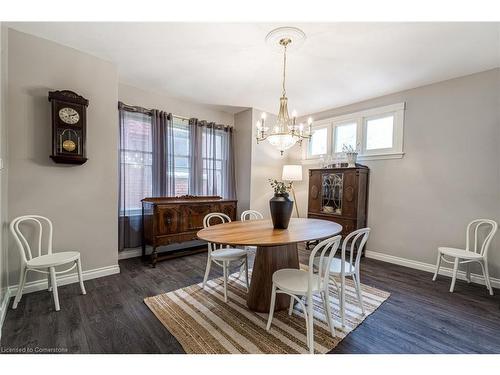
(204, 324)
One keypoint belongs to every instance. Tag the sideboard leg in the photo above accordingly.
(154, 257)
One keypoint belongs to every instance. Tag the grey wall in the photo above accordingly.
(3, 171)
(267, 163)
(448, 176)
(255, 163)
(82, 201)
(243, 157)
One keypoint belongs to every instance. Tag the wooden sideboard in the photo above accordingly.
(339, 195)
(168, 220)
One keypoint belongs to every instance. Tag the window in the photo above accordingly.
(376, 133)
(318, 144)
(344, 134)
(181, 155)
(136, 161)
(379, 132)
(212, 162)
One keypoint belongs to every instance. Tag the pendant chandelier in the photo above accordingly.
(285, 133)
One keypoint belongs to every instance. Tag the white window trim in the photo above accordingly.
(360, 117)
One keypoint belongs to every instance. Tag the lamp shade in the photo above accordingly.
(292, 173)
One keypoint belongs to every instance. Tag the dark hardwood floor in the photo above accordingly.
(419, 317)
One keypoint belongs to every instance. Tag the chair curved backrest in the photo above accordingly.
(480, 247)
(356, 238)
(219, 215)
(223, 218)
(21, 240)
(325, 260)
(251, 215)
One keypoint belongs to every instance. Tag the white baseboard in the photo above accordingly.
(37, 285)
(4, 304)
(475, 278)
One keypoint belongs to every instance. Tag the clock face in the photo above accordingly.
(69, 115)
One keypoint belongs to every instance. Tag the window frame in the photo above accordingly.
(318, 126)
(337, 124)
(361, 118)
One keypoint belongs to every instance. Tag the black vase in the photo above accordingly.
(281, 210)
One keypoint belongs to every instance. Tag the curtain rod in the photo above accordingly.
(147, 110)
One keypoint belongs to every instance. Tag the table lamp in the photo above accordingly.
(292, 173)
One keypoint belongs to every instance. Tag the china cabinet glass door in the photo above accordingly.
(331, 193)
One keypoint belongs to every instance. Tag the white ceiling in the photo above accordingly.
(231, 65)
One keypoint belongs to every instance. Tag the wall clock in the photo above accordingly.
(68, 127)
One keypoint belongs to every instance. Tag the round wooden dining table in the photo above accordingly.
(276, 249)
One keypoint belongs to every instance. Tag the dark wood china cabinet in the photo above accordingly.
(169, 220)
(339, 195)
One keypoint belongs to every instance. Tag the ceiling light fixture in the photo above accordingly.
(285, 133)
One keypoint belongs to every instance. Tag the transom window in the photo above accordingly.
(319, 142)
(344, 135)
(376, 133)
(379, 133)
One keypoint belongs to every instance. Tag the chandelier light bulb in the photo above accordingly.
(309, 121)
(263, 115)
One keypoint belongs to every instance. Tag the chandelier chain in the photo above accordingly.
(284, 71)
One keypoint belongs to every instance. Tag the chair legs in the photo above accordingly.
(225, 266)
(54, 287)
(328, 310)
(486, 274)
(80, 276)
(49, 288)
(342, 300)
(359, 292)
(20, 287)
(271, 308)
(467, 272)
(455, 272)
(307, 308)
(207, 270)
(310, 324)
(438, 264)
(246, 273)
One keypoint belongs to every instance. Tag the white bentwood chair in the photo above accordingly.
(342, 268)
(223, 256)
(300, 283)
(251, 215)
(42, 263)
(478, 253)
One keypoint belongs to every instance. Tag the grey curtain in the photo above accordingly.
(212, 161)
(163, 154)
(135, 172)
(146, 166)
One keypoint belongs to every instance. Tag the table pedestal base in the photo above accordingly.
(268, 260)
